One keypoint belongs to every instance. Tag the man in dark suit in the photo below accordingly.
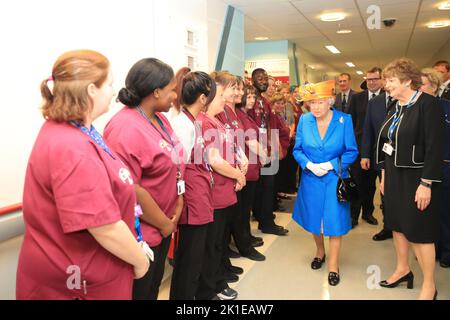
(343, 98)
(377, 110)
(365, 179)
(443, 67)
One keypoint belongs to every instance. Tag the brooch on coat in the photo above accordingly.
(341, 120)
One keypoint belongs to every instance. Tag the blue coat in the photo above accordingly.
(317, 208)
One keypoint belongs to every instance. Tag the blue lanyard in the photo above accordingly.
(94, 135)
(137, 223)
(168, 135)
(398, 116)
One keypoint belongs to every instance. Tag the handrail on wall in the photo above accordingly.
(11, 208)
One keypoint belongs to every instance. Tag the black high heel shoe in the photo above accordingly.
(409, 278)
(333, 278)
(317, 262)
(435, 295)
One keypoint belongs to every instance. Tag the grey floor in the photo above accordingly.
(286, 273)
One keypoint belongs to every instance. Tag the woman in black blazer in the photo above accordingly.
(410, 145)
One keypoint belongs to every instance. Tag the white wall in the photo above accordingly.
(35, 33)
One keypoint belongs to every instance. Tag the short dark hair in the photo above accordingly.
(257, 70)
(376, 69)
(404, 69)
(144, 77)
(442, 62)
(194, 85)
(346, 74)
(247, 90)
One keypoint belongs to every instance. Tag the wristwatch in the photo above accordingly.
(425, 184)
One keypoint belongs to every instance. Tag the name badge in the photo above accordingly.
(148, 251)
(262, 130)
(181, 187)
(388, 149)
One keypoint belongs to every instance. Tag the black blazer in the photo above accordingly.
(357, 109)
(377, 109)
(338, 103)
(420, 138)
(446, 93)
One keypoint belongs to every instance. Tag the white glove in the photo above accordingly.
(315, 168)
(326, 166)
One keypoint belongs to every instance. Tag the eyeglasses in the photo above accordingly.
(373, 79)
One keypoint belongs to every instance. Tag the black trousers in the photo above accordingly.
(188, 263)
(263, 204)
(213, 256)
(365, 179)
(292, 169)
(147, 288)
(443, 248)
(239, 227)
(248, 197)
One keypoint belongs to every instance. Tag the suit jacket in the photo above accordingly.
(419, 139)
(357, 109)
(377, 110)
(338, 103)
(446, 93)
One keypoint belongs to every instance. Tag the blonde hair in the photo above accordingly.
(277, 97)
(434, 77)
(224, 78)
(72, 73)
(404, 69)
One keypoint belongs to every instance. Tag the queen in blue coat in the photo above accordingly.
(324, 136)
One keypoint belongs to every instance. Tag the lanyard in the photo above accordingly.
(235, 148)
(263, 115)
(137, 223)
(94, 135)
(398, 116)
(167, 134)
(205, 158)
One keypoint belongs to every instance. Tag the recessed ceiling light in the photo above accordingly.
(360, 72)
(333, 49)
(438, 24)
(444, 6)
(312, 67)
(344, 31)
(350, 64)
(261, 38)
(335, 16)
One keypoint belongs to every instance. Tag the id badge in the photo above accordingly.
(388, 149)
(148, 251)
(262, 130)
(181, 187)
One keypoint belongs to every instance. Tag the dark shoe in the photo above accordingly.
(252, 237)
(333, 278)
(231, 277)
(235, 270)
(317, 263)
(260, 227)
(382, 235)
(233, 254)
(227, 294)
(371, 220)
(444, 264)
(435, 295)
(216, 297)
(409, 278)
(255, 256)
(276, 230)
(256, 243)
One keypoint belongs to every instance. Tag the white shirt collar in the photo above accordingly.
(443, 86)
(376, 93)
(347, 93)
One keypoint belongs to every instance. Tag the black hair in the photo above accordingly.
(257, 70)
(143, 79)
(194, 85)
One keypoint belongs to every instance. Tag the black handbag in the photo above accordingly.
(347, 190)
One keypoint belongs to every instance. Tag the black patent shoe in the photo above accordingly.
(408, 278)
(435, 295)
(317, 263)
(333, 278)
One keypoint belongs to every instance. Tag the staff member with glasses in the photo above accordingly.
(410, 145)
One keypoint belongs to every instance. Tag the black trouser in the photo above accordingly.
(188, 263)
(213, 256)
(366, 182)
(248, 197)
(292, 168)
(147, 288)
(240, 226)
(281, 178)
(263, 204)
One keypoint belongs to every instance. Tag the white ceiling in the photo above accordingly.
(298, 21)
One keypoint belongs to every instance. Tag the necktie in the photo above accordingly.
(344, 102)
